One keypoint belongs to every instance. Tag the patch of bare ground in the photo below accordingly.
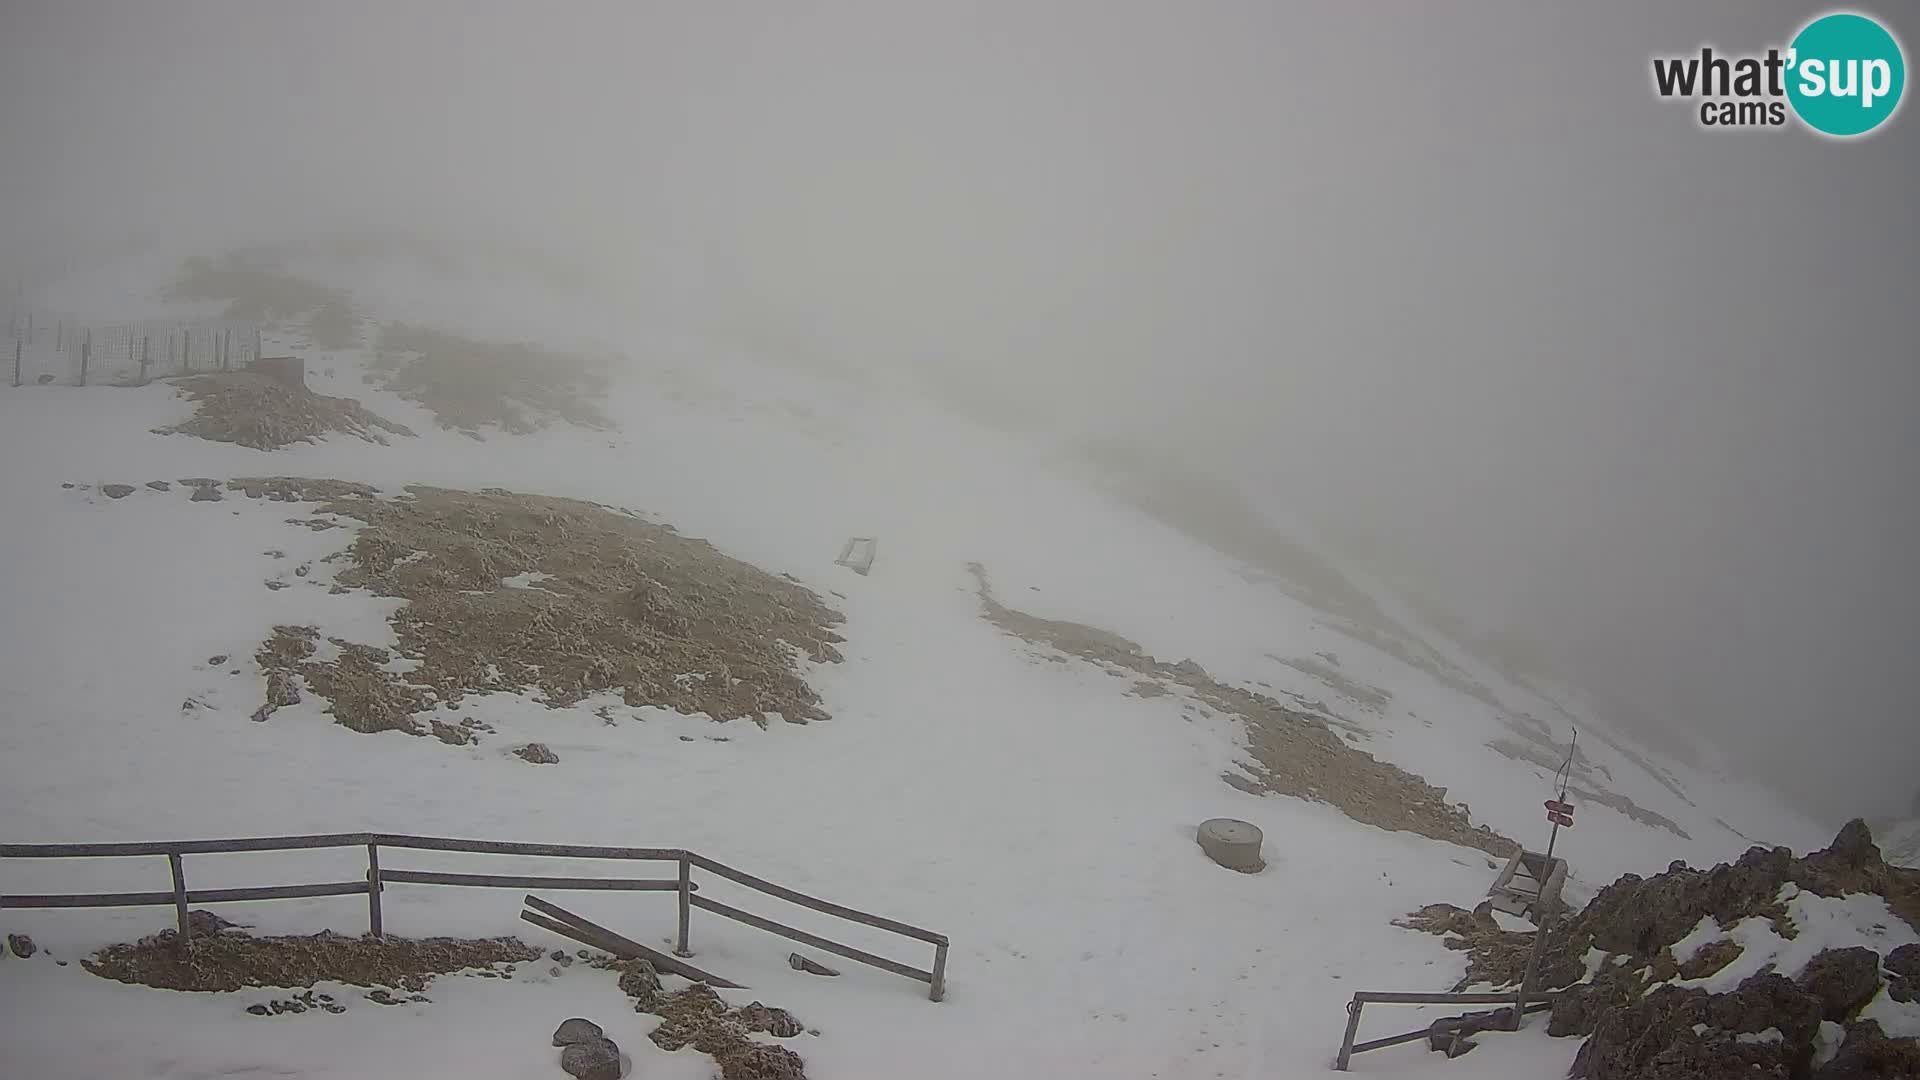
(1544, 757)
(1372, 697)
(257, 292)
(698, 1017)
(1294, 753)
(220, 958)
(599, 600)
(472, 385)
(263, 413)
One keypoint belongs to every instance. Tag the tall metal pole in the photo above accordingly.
(1565, 777)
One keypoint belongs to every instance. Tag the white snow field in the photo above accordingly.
(1034, 812)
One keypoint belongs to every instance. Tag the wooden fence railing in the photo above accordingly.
(1522, 1003)
(378, 877)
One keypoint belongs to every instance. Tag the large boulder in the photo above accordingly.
(1768, 1001)
(576, 1030)
(1580, 1007)
(1843, 980)
(1903, 974)
(1764, 1029)
(595, 1059)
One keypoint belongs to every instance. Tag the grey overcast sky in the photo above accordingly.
(1445, 277)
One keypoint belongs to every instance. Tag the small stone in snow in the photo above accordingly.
(259, 1010)
(22, 945)
(117, 491)
(538, 754)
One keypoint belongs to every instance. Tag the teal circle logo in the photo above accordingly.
(1845, 74)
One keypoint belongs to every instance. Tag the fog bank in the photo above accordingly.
(1450, 282)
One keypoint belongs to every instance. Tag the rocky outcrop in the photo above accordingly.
(1903, 973)
(1763, 1029)
(1843, 980)
(1641, 1023)
(1869, 1055)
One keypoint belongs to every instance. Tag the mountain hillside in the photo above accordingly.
(618, 545)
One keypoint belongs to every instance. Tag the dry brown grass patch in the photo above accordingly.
(1294, 753)
(254, 410)
(620, 604)
(224, 959)
(471, 385)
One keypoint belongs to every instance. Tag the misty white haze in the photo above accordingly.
(1446, 281)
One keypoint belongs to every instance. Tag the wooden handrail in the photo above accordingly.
(377, 877)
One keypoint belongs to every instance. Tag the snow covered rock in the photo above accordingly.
(116, 491)
(595, 1059)
(576, 1030)
(22, 945)
(538, 754)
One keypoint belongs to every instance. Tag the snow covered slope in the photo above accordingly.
(1034, 812)
(1899, 841)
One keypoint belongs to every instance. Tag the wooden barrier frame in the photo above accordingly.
(180, 897)
(1348, 1048)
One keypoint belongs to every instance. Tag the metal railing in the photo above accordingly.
(1523, 1003)
(377, 878)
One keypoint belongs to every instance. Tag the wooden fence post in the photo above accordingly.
(86, 355)
(226, 349)
(686, 905)
(179, 895)
(186, 349)
(1346, 1042)
(373, 891)
(60, 336)
(938, 991)
(16, 361)
(146, 356)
